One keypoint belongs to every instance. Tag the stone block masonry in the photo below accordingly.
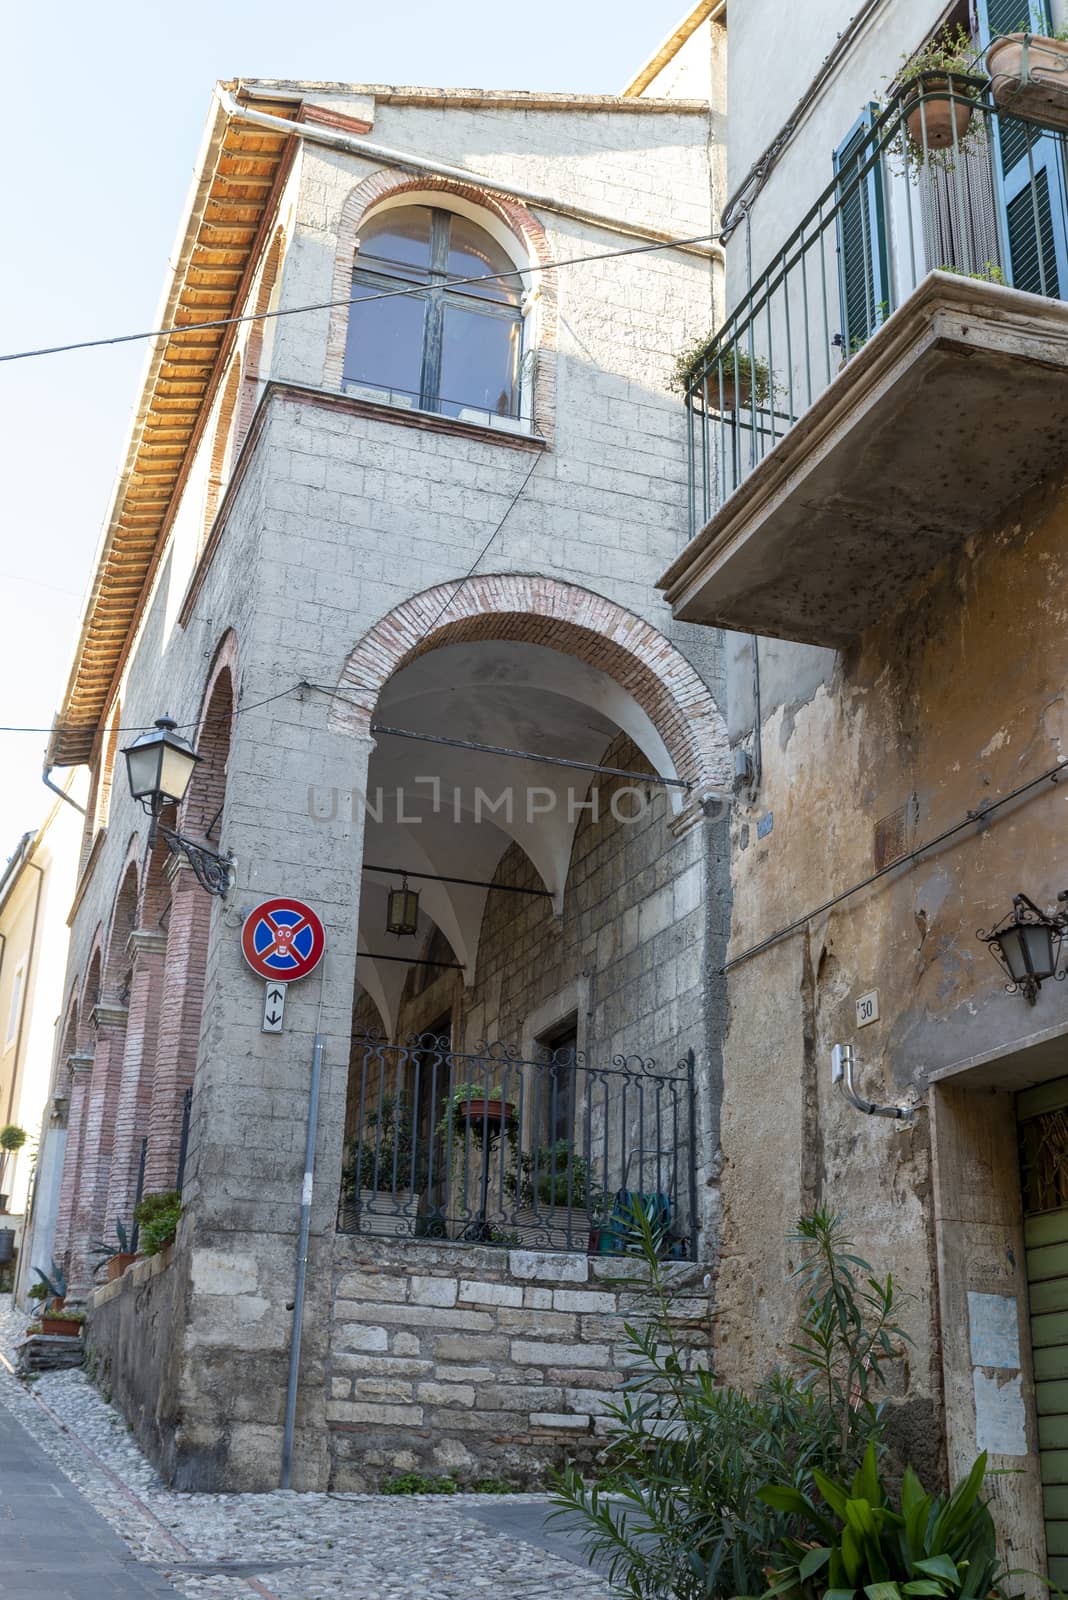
(475, 1361)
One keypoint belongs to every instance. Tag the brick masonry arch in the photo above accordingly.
(250, 370)
(521, 224)
(564, 617)
(220, 447)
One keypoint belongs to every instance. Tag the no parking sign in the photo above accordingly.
(282, 940)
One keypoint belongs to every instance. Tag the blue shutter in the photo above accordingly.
(863, 277)
(1028, 172)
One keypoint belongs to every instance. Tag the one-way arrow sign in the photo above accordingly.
(274, 1005)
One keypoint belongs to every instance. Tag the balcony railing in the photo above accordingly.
(546, 1153)
(943, 178)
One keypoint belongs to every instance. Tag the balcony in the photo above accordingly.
(888, 387)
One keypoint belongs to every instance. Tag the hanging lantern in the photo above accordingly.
(402, 911)
(1027, 944)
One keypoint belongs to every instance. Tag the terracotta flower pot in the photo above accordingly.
(118, 1263)
(478, 1111)
(65, 1326)
(1029, 77)
(937, 123)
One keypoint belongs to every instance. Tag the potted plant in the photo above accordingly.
(12, 1139)
(157, 1217)
(387, 1145)
(63, 1324)
(56, 1318)
(938, 86)
(558, 1197)
(115, 1260)
(729, 379)
(1029, 76)
(470, 1105)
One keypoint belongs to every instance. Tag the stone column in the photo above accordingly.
(147, 949)
(80, 1066)
(109, 1021)
(237, 1241)
(180, 1006)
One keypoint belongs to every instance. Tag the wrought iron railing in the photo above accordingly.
(946, 177)
(546, 1153)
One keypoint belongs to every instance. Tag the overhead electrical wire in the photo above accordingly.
(352, 300)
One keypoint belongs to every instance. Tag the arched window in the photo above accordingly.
(451, 350)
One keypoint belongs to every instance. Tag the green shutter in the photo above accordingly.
(862, 260)
(1028, 220)
(1028, 170)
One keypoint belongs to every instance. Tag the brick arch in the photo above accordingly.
(217, 463)
(155, 889)
(250, 372)
(521, 224)
(123, 923)
(564, 617)
(91, 991)
(214, 732)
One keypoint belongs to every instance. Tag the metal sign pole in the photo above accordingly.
(302, 1263)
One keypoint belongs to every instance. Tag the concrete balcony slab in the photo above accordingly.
(955, 407)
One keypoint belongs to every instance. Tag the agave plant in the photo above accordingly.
(55, 1286)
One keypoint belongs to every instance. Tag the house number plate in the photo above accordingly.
(868, 1008)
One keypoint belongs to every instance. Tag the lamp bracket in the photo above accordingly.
(211, 871)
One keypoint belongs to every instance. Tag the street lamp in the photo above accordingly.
(159, 767)
(1026, 944)
(402, 911)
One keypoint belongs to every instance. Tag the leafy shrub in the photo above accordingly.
(157, 1218)
(689, 1458)
(12, 1137)
(391, 1127)
(562, 1175)
(925, 1545)
(416, 1483)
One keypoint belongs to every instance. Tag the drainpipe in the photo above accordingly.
(355, 145)
(302, 1264)
(46, 779)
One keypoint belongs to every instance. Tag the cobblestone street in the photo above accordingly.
(279, 1546)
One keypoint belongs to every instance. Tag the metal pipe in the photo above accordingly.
(530, 755)
(471, 883)
(842, 1063)
(46, 779)
(411, 961)
(356, 145)
(977, 818)
(302, 1263)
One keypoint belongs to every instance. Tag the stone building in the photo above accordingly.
(430, 491)
(35, 890)
(878, 444)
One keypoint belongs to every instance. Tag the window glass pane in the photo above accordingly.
(397, 241)
(385, 345)
(473, 251)
(479, 361)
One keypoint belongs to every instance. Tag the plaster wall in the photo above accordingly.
(34, 932)
(912, 725)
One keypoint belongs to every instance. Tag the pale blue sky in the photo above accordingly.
(104, 110)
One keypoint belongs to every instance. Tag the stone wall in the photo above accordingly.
(476, 1361)
(130, 1342)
